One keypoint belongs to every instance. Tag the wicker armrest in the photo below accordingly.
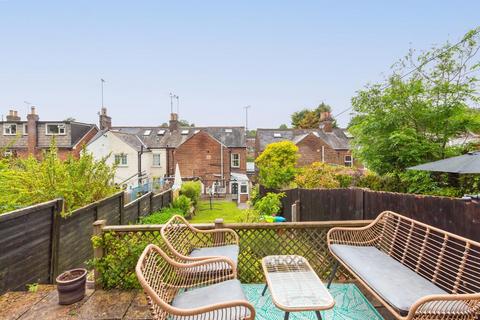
(207, 271)
(447, 306)
(367, 235)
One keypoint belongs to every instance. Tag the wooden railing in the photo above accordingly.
(118, 248)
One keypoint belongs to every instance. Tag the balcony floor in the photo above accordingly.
(132, 305)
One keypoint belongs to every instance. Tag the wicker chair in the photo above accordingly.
(212, 296)
(417, 271)
(188, 243)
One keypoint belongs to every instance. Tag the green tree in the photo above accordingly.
(277, 164)
(412, 119)
(309, 119)
(283, 126)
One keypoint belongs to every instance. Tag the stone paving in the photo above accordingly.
(99, 304)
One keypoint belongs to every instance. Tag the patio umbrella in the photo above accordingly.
(177, 182)
(467, 163)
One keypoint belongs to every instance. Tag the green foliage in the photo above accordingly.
(182, 203)
(317, 175)
(270, 204)
(251, 133)
(32, 287)
(24, 182)
(309, 119)
(412, 120)
(117, 266)
(283, 126)
(277, 164)
(192, 190)
(254, 194)
(162, 216)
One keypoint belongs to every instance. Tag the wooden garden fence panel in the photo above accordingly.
(26, 245)
(38, 244)
(451, 214)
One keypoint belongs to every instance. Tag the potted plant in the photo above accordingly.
(90, 280)
(71, 286)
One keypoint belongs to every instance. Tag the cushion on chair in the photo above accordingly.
(400, 286)
(226, 291)
(230, 251)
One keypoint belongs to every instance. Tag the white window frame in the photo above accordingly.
(8, 153)
(59, 125)
(233, 160)
(348, 163)
(25, 129)
(9, 126)
(159, 157)
(243, 184)
(120, 162)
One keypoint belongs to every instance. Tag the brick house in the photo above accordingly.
(325, 144)
(214, 155)
(30, 137)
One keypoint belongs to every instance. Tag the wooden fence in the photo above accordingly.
(37, 244)
(451, 214)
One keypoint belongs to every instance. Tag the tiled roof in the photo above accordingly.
(162, 137)
(335, 139)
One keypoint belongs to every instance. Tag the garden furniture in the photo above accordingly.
(294, 285)
(215, 295)
(188, 243)
(417, 271)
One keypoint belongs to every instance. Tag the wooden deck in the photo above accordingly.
(99, 304)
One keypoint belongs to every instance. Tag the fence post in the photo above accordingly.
(55, 239)
(296, 211)
(121, 201)
(98, 252)
(218, 236)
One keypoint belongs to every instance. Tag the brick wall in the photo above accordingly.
(310, 150)
(200, 156)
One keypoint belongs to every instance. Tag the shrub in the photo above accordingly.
(192, 190)
(162, 216)
(277, 164)
(24, 182)
(270, 204)
(183, 203)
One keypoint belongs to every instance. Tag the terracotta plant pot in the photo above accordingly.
(71, 286)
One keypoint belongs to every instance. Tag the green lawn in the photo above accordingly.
(220, 209)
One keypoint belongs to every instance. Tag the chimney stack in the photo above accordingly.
(32, 120)
(174, 124)
(326, 121)
(105, 121)
(13, 116)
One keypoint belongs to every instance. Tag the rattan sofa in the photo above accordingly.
(214, 295)
(188, 243)
(417, 271)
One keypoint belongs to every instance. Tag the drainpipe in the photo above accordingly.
(323, 153)
(140, 166)
(221, 162)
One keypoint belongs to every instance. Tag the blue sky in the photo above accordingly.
(218, 56)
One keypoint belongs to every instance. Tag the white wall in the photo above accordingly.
(109, 143)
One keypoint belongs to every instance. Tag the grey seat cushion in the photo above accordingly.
(395, 283)
(226, 291)
(230, 251)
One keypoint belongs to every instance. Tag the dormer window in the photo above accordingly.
(55, 129)
(147, 132)
(277, 135)
(161, 132)
(184, 132)
(9, 129)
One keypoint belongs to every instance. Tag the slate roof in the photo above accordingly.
(161, 137)
(337, 139)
